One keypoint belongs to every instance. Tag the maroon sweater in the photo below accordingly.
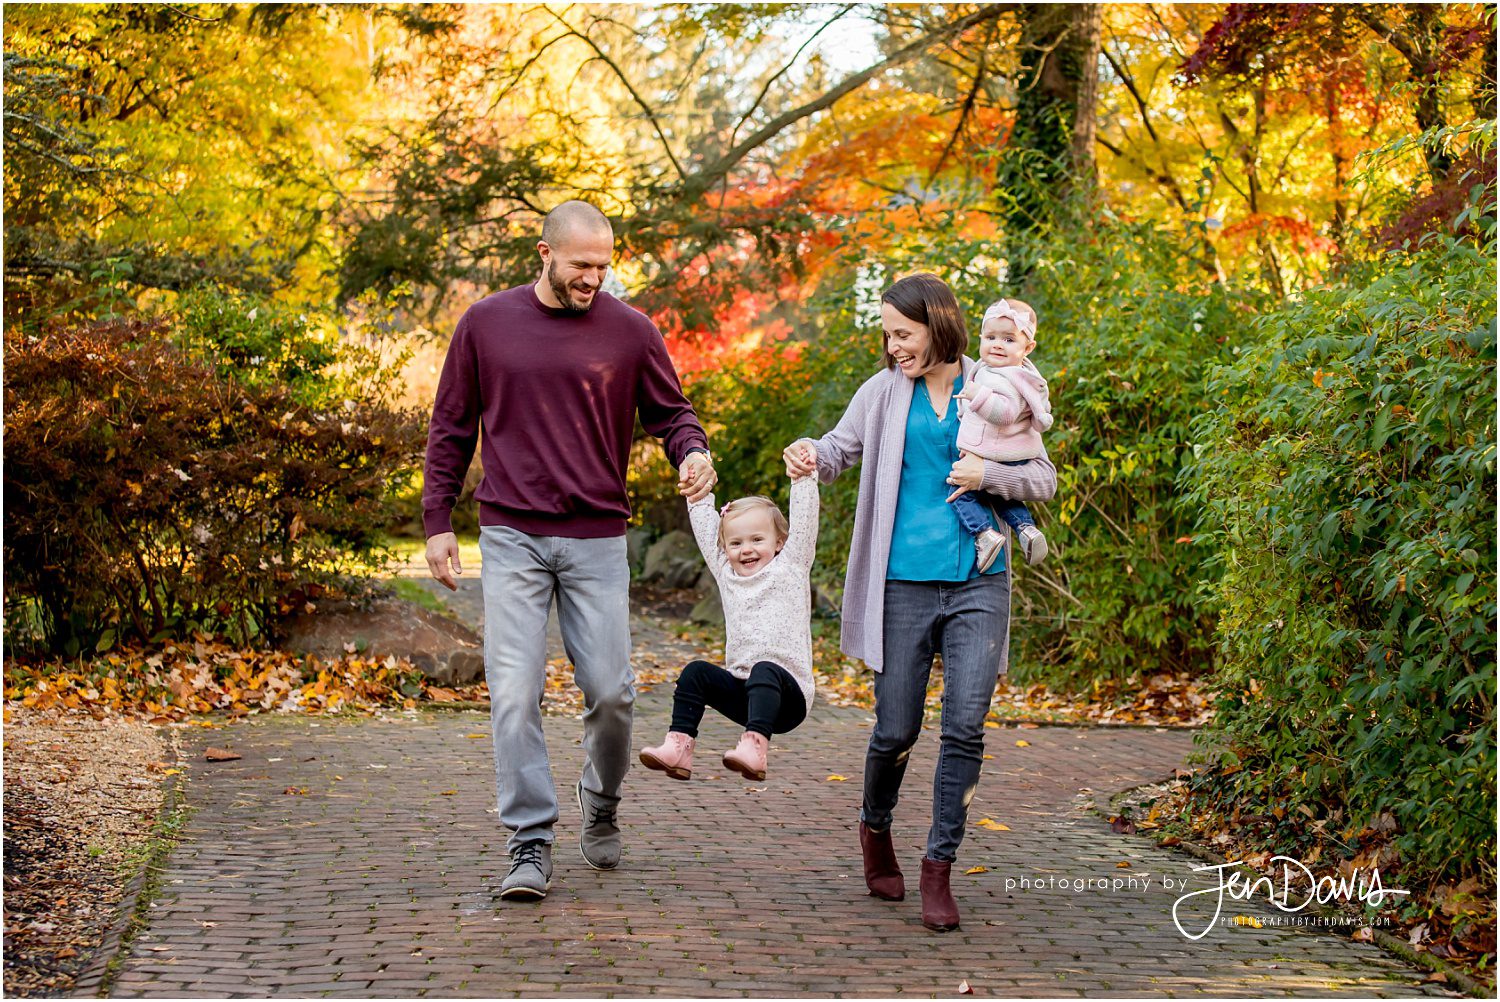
(555, 395)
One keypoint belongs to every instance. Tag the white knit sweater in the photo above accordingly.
(768, 614)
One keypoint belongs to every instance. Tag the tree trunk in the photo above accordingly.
(1050, 152)
(1087, 20)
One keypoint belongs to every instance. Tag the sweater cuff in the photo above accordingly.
(1003, 480)
(435, 523)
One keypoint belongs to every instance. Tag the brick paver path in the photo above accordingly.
(380, 879)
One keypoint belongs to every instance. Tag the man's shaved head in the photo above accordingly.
(574, 217)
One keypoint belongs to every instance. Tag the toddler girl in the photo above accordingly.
(761, 565)
(1004, 412)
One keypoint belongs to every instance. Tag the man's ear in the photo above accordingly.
(544, 250)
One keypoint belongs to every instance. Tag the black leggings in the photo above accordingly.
(768, 702)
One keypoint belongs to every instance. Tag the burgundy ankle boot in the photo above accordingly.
(939, 910)
(882, 872)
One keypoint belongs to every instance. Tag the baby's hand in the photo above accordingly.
(968, 392)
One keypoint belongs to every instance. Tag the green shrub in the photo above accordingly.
(1347, 481)
(149, 492)
(1129, 324)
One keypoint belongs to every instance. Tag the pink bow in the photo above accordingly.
(1002, 310)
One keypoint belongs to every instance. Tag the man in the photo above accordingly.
(549, 378)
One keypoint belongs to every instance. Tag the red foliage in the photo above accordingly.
(145, 491)
(1438, 209)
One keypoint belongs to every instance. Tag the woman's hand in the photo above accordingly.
(967, 475)
(801, 459)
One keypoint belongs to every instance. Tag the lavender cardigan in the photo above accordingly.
(874, 428)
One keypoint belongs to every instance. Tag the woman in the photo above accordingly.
(912, 588)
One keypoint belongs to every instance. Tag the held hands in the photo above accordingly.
(801, 460)
(967, 475)
(442, 550)
(696, 477)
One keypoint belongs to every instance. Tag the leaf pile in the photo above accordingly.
(1454, 921)
(179, 679)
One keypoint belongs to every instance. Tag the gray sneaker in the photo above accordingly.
(599, 838)
(530, 874)
(1033, 543)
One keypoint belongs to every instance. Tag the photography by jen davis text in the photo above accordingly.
(1290, 887)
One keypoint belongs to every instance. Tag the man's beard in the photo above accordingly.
(564, 294)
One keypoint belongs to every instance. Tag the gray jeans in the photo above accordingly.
(968, 622)
(591, 581)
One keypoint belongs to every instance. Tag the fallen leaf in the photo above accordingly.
(964, 989)
(438, 694)
(172, 772)
(1170, 840)
(220, 754)
(1437, 977)
(1023, 744)
(1123, 864)
(448, 793)
(1364, 934)
(978, 869)
(1121, 825)
(992, 825)
(836, 778)
(296, 791)
(476, 735)
(65, 953)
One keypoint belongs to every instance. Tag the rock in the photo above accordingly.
(709, 609)
(446, 651)
(637, 541)
(673, 561)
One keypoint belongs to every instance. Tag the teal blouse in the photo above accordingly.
(927, 543)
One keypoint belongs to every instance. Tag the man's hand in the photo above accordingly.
(697, 477)
(801, 459)
(442, 550)
(967, 475)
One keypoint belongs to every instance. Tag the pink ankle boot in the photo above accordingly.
(749, 756)
(674, 756)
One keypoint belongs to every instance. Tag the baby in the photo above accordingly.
(761, 564)
(1004, 412)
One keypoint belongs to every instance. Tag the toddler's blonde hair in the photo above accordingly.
(739, 505)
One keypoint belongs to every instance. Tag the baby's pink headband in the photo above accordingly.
(1002, 310)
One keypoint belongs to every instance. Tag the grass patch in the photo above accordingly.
(413, 592)
(148, 860)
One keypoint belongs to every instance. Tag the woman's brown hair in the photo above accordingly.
(926, 299)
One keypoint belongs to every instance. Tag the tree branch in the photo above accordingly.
(709, 174)
(968, 106)
(620, 75)
(846, 8)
